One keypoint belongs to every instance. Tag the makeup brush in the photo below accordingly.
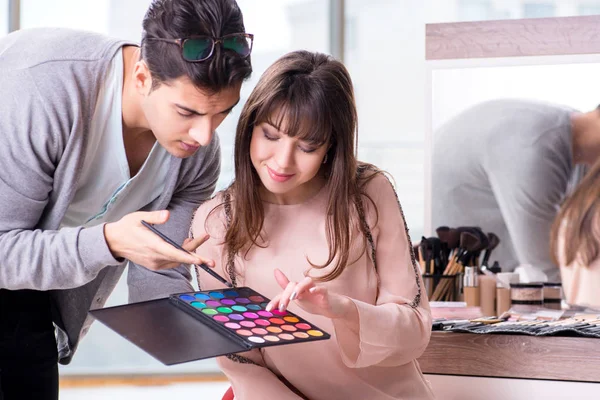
(493, 242)
(172, 243)
(443, 232)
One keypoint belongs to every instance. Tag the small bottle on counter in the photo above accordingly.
(471, 286)
(487, 293)
(553, 295)
(503, 291)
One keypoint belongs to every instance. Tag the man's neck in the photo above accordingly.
(585, 132)
(137, 138)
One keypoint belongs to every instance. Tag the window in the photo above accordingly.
(4, 16)
(589, 9)
(388, 84)
(538, 10)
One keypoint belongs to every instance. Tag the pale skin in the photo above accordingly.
(290, 173)
(181, 118)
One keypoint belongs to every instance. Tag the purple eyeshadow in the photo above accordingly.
(227, 302)
(242, 300)
(236, 317)
(213, 303)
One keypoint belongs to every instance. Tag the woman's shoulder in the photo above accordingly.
(373, 181)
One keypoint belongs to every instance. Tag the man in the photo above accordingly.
(97, 135)
(505, 166)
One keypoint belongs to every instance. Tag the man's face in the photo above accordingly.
(183, 118)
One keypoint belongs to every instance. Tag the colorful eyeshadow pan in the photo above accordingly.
(249, 324)
(198, 304)
(243, 312)
(286, 336)
(289, 328)
(265, 314)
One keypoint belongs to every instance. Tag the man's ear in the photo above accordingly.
(142, 78)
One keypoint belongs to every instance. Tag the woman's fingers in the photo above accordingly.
(281, 279)
(301, 288)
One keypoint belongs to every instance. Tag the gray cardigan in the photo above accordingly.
(49, 82)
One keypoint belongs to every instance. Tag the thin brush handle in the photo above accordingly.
(172, 243)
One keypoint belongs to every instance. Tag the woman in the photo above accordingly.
(575, 241)
(308, 226)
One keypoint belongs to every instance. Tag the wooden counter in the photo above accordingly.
(513, 356)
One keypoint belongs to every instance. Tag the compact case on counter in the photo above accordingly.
(193, 326)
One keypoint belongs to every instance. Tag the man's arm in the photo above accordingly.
(31, 146)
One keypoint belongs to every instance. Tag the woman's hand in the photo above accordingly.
(310, 297)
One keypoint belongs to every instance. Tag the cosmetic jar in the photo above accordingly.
(526, 296)
(552, 295)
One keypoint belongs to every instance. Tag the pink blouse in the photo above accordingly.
(374, 358)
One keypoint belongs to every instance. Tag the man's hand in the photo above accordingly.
(129, 239)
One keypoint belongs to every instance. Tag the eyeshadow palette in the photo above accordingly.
(198, 325)
(241, 314)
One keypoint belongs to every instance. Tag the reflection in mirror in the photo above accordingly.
(509, 144)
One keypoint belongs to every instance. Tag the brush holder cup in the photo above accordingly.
(443, 287)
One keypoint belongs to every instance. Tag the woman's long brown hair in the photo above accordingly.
(577, 223)
(313, 93)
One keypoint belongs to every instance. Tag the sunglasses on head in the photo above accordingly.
(200, 48)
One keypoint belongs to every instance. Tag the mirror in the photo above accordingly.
(461, 158)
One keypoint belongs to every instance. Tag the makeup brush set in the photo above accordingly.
(443, 259)
(564, 327)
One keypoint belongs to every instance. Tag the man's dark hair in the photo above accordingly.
(174, 19)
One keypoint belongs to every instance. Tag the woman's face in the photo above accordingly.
(288, 167)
